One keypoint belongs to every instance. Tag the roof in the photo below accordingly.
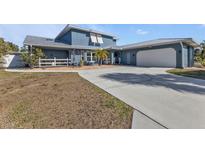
(50, 43)
(70, 26)
(157, 42)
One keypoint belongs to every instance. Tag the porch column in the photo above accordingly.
(111, 57)
(91, 56)
(31, 49)
(73, 56)
(85, 55)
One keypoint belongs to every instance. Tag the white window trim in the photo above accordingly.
(100, 39)
(93, 38)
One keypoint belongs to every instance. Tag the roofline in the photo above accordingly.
(65, 48)
(157, 44)
(69, 26)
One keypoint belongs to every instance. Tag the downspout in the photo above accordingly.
(182, 53)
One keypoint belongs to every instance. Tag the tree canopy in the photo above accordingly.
(6, 47)
(12, 46)
(3, 47)
(200, 56)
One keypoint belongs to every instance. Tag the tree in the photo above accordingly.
(200, 56)
(6, 47)
(23, 49)
(31, 59)
(101, 55)
(3, 47)
(12, 46)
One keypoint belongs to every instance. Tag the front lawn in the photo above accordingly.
(58, 100)
(194, 73)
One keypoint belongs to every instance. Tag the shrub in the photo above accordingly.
(31, 59)
(81, 63)
(200, 56)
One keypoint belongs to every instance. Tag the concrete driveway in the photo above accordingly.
(161, 100)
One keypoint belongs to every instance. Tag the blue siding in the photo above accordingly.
(185, 56)
(77, 37)
(83, 38)
(80, 38)
(191, 56)
(177, 47)
(59, 54)
(125, 54)
(107, 41)
(66, 38)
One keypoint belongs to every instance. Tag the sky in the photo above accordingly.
(126, 33)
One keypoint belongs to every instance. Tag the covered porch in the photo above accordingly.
(71, 57)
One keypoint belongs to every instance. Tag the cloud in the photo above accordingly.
(94, 27)
(141, 32)
(99, 27)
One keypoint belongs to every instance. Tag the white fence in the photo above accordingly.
(54, 62)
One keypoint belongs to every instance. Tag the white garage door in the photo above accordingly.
(165, 57)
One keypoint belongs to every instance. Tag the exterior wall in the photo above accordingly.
(108, 41)
(66, 38)
(176, 47)
(80, 38)
(191, 56)
(13, 61)
(185, 56)
(188, 54)
(123, 57)
(59, 54)
(133, 58)
(77, 37)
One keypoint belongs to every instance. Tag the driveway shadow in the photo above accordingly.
(177, 83)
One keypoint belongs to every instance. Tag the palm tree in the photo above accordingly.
(101, 54)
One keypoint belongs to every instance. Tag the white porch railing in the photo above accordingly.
(54, 62)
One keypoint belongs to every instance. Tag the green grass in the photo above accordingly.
(199, 74)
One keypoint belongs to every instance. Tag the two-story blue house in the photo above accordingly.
(73, 42)
(76, 43)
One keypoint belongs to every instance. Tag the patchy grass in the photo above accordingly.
(58, 100)
(194, 73)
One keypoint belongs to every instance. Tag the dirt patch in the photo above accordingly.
(58, 100)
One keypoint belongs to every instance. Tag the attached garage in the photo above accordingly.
(160, 53)
(165, 57)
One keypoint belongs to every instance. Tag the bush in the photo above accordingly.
(200, 56)
(81, 63)
(32, 59)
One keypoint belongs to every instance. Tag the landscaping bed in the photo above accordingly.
(58, 100)
(194, 73)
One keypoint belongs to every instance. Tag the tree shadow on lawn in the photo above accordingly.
(181, 84)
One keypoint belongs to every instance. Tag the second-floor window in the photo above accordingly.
(96, 38)
(93, 38)
(99, 38)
